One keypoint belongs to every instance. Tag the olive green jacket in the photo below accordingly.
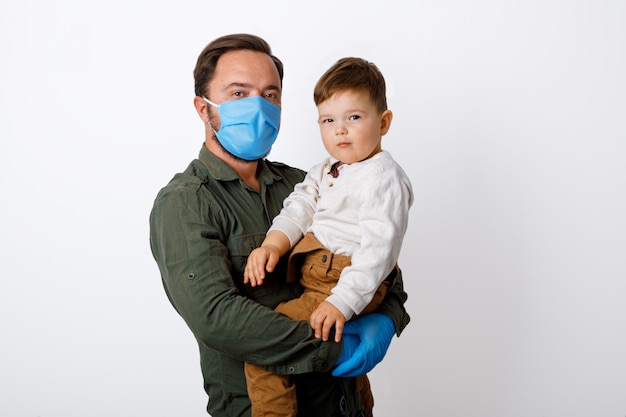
(203, 225)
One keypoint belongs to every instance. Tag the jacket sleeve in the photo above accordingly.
(393, 305)
(195, 271)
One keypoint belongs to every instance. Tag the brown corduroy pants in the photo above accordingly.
(274, 395)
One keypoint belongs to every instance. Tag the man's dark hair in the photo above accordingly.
(207, 61)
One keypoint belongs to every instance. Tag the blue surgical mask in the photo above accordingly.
(249, 126)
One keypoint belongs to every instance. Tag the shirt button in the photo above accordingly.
(330, 184)
(191, 275)
(291, 370)
(324, 258)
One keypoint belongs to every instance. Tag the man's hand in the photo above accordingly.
(324, 318)
(261, 259)
(375, 332)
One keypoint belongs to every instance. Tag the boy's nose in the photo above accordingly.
(340, 130)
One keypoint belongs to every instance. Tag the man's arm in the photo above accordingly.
(195, 270)
(393, 305)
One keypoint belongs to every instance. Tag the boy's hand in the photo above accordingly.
(324, 318)
(261, 259)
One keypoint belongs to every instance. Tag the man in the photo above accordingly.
(207, 220)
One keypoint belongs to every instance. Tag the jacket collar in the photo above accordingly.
(219, 170)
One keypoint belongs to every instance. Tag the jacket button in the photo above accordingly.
(291, 370)
(324, 258)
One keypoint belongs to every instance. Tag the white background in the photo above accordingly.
(509, 119)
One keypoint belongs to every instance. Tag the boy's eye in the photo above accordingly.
(327, 121)
(354, 117)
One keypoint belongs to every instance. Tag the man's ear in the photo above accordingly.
(385, 122)
(202, 108)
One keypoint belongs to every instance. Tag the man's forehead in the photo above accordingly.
(244, 62)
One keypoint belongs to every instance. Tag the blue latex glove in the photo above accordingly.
(375, 332)
(350, 344)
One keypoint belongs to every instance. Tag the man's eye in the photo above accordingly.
(238, 94)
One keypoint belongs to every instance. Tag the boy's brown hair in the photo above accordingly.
(352, 74)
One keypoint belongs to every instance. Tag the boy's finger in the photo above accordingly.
(328, 324)
(338, 331)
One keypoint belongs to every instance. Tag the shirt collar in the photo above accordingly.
(219, 170)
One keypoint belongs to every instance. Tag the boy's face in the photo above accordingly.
(351, 127)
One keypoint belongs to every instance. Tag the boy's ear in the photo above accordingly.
(385, 122)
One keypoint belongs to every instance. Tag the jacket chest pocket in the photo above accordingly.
(274, 289)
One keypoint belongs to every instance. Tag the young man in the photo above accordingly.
(204, 224)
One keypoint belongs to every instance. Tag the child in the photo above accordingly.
(345, 221)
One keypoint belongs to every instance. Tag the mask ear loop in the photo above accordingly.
(210, 102)
(212, 128)
(209, 121)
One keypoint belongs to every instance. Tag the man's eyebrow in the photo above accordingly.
(238, 85)
(273, 87)
(249, 86)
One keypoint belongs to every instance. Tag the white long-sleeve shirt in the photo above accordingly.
(363, 213)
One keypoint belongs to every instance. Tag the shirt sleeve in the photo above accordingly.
(383, 219)
(299, 207)
(195, 270)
